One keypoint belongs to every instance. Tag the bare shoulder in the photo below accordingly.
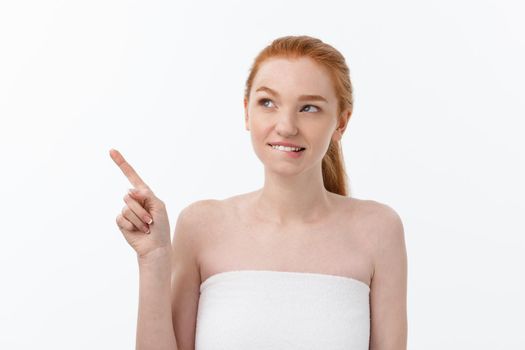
(202, 205)
(371, 207)
(388, 222)
(388, 233)
(381, 222)
(193, 220)
(200, 212)
(203, 217)
(377, 215)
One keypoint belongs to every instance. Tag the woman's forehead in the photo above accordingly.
(295, 74)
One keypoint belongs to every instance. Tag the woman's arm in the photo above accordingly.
(388, 295)
(145, 225)
(154, 325)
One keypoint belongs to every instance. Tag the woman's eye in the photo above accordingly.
(312, 106)
(262, 101)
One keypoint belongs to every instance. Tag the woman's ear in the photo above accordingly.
(342, 124)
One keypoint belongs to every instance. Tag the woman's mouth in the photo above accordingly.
(290, 151)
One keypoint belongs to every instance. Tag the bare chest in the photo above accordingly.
(339, 246)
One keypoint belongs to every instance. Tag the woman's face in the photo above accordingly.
(294, 101)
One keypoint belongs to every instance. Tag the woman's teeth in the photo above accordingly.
(288, 149)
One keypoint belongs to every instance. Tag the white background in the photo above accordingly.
(437, 134)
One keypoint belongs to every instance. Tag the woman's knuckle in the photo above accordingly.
(120, 222)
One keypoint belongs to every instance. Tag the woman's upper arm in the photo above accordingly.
(388, 292)
(185, 276)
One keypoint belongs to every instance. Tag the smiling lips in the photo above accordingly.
(289, 153)
(285, 144)
(288, 150)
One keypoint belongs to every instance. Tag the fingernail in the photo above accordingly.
(149, 220)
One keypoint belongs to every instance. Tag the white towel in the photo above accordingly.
(264, 309)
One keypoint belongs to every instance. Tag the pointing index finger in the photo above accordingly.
(127, 169)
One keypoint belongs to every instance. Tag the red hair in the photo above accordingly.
(333, 169)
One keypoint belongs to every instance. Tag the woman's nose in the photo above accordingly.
(286, 123)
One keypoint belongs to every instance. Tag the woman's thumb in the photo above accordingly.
(144, 196)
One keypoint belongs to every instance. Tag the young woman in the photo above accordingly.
(296, 264)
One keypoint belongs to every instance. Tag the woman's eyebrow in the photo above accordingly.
(301, 98)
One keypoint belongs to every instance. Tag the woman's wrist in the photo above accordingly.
(158, 255)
